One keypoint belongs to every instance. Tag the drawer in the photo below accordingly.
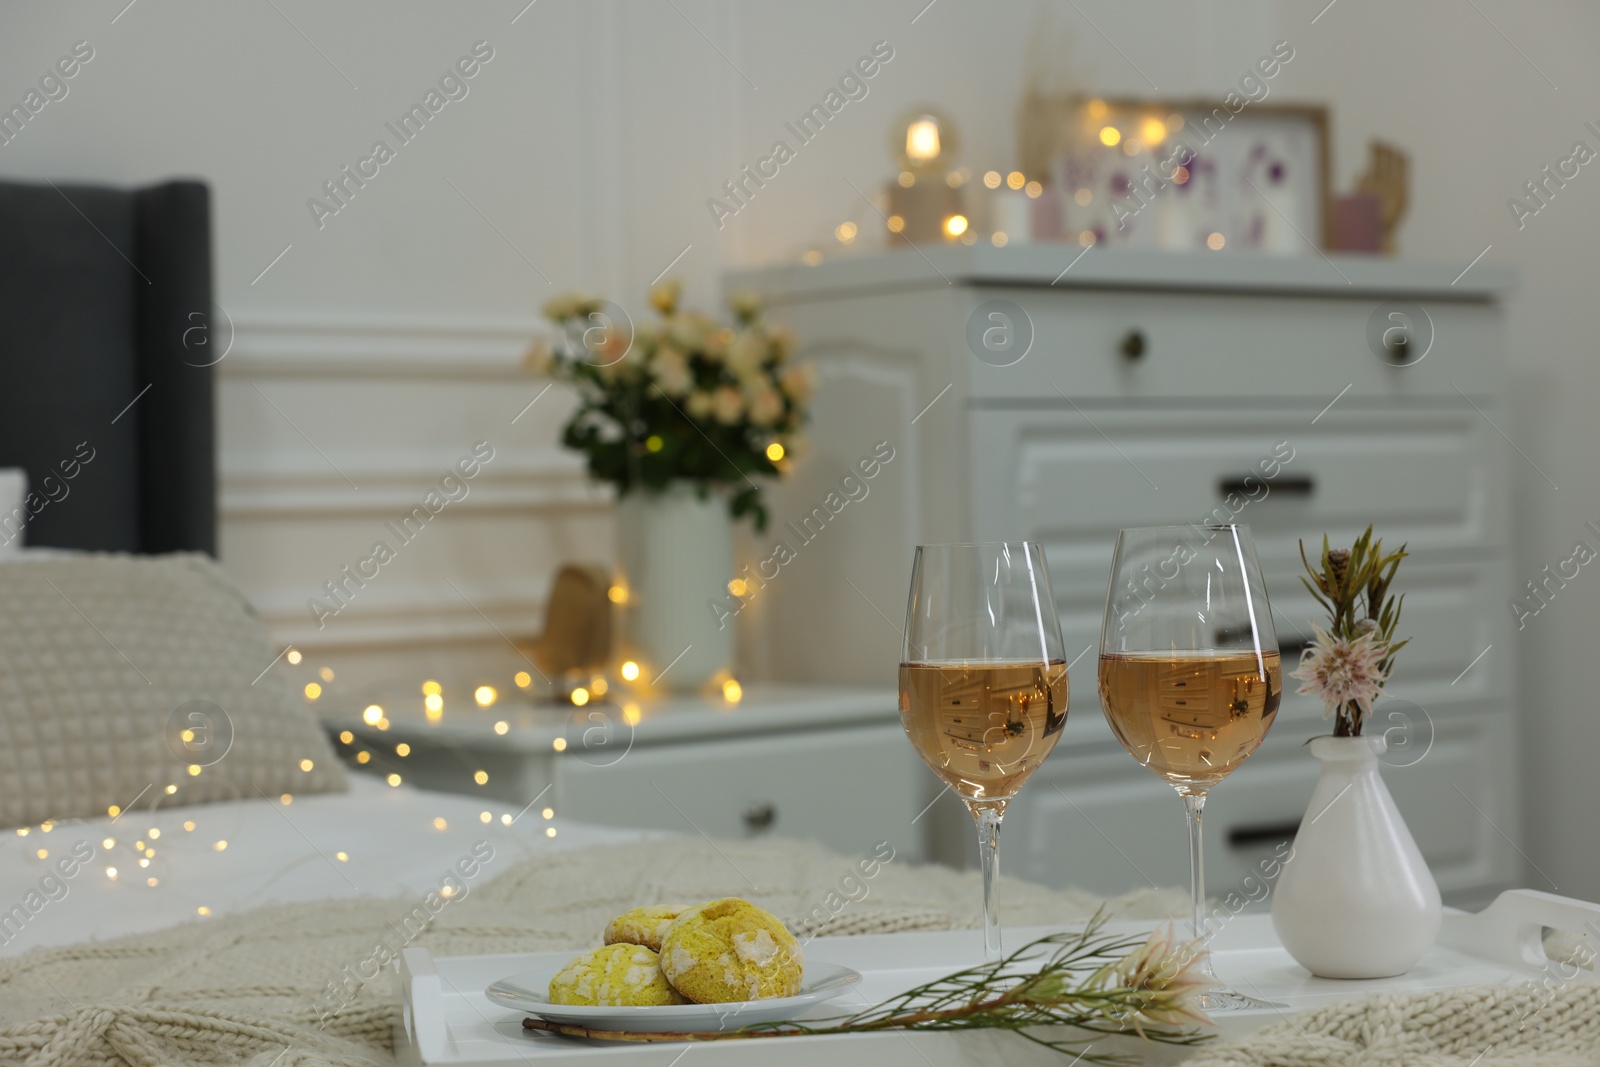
(848, 789)
(1426, 477)
(1096, 820)
(1226, 345)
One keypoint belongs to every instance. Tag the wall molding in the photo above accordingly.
(426, 347)
(294, 496)
(536, 483)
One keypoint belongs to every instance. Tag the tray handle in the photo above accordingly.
(1511, 930)
(422, 1006)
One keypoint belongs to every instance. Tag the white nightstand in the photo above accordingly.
(829, 763)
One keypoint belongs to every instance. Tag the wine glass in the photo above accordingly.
(1190, 677)
(983, 683)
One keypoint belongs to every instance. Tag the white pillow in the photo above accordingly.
(13, 516)
(119, 673)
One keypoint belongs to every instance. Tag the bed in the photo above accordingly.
(216, 861)
(190, 875)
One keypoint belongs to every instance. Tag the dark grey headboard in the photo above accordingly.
(105, 296)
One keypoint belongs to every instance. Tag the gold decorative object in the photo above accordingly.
(577, 623)
(1387, 177)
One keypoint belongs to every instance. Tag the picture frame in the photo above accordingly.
(1259, 178)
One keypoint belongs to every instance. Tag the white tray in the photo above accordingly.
(447, 1020)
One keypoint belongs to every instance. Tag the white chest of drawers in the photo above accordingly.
(1153, 386)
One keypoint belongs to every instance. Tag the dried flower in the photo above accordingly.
(1170, 974)
(1350, 663)
(1344, 671)
(1338, 563)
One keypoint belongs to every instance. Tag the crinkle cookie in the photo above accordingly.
(643, 926)
(731, 950)
(614, 976)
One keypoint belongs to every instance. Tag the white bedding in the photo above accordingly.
(275, 853)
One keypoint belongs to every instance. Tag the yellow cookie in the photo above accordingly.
(614, 976)
(731, 950)
(644, 926)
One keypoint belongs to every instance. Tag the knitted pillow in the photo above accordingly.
(136, 681)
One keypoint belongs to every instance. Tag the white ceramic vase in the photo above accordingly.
(676, 555)
(1356, 898)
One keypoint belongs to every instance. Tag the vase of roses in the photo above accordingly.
(683, 416)
(1356, 898)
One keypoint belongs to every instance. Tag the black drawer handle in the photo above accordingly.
(1132, 346)
(1271, 834)
(1291, 647)
(1250, 485)
(760, 817)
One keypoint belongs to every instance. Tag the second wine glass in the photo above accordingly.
(983, 683)
(1190, 674)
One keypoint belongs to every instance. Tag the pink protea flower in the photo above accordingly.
(1344, 671)
(1165, 977)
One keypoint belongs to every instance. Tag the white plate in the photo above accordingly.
(530, 992)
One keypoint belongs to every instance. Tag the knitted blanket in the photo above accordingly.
(1496, 1027)
(286, 986)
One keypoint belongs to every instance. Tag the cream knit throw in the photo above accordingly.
(1499, 1027)
(243, 989)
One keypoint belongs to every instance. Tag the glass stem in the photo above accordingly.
(988, 816)
(1194, 805)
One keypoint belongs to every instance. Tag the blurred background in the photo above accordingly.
(372, 346)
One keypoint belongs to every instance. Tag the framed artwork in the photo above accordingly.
(1183, 175)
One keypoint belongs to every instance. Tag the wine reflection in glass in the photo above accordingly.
(1190, 677)
(983, 683)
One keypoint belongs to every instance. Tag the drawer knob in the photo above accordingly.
(760, 817)
(1132, 347)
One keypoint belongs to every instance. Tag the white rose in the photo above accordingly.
(798, 381)
(766, 405)
(701, 404)
(690, 330)
(728, 405)
(746, 354)
(671, 372)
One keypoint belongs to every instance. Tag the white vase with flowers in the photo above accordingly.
(1356, 898)
(684, 416)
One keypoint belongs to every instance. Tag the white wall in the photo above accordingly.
(590, 143)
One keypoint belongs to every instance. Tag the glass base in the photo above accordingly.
(1226, 1000)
